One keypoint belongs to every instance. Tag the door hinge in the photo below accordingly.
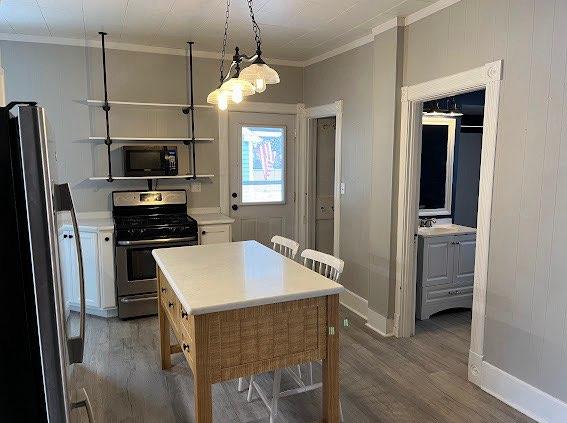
(294, 196)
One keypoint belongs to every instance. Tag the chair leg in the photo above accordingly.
(250, 388)
(341, 412)
(299, 370)
(241, 384)
(276, 389)
(310, 373)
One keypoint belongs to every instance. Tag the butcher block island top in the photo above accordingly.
(221, 277)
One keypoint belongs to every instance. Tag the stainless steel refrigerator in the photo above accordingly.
(44, 340)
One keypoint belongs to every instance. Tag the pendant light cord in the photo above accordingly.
(223, 54)
(255, 27)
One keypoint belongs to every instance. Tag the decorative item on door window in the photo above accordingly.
(263, 165)
(240, 83)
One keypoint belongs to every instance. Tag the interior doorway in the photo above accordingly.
(320, 184)
(322, 181)
(451, 144)
(487, 77)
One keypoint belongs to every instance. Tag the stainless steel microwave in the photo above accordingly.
(150, 160)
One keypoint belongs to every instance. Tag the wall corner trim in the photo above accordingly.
(522, 396)
(392, 23)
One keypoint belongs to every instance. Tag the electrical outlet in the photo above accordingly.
(195, 187)
(342, 187)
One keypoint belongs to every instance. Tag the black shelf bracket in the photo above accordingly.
(106, 108)
(191, 109)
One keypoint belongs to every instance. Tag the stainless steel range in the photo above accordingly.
(143, 221)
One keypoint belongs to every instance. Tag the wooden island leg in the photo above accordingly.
(331, 363)
(164, 336)
(201, 381)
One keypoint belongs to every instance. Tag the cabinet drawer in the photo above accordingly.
(186, 321)
(214, 234)
(447, 292)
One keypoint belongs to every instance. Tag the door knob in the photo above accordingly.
(234, 195)
(234, 207)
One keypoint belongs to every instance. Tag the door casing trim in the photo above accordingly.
(486, 77)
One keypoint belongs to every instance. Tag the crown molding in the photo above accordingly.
(113, 45)
(339, 50)
(429, 10)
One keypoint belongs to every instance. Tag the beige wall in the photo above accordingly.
(348, 77)
(58, 76)
(526, 310)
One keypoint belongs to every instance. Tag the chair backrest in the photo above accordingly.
(285, 246)
(329, 266)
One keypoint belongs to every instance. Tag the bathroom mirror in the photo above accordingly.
(437, 150)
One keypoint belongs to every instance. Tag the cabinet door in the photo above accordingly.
(106, 269)
(90, 267)
(214, 234)
(464, 247)
(67, 268)
(438, 261)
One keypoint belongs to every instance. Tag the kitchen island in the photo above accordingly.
(239, 309)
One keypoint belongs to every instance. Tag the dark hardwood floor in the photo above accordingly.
(418, 379)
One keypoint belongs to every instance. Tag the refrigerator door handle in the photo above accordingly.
(64, 202)
(83, 401)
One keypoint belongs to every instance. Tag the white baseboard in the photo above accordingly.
(380, 324)
(101, 312)
(354, 303)
(525, 398)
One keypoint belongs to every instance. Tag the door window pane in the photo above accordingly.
(263, 165)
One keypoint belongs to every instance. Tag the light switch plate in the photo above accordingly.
(342, 187)
(195, 187)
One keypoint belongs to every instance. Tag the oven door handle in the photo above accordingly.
(137, 300)
(158, 241)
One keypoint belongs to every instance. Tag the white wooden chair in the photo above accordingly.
(288, 248)
(331, 267)
(285, 246)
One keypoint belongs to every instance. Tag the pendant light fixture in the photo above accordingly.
(436, 110)
(245, 82)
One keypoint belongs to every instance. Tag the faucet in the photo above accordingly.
(427, 222)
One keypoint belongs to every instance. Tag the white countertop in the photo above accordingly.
(220, 277)
(90, 221)
(212, 219)
(449, 229)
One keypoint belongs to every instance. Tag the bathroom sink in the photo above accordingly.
(445, 229)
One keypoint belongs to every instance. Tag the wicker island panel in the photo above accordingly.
(261, 338)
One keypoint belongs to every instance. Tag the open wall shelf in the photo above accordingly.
(145, 178)
(150, 139)
(100, 103)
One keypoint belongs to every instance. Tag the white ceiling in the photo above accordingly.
(291, 29)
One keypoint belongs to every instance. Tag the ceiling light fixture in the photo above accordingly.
(245, 82)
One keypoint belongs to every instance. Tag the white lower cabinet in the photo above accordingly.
(98, 268)
(215, 234)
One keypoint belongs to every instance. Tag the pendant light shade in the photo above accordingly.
(260, 74)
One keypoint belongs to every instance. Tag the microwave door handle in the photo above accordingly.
(64, 202)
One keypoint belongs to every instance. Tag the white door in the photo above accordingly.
(262, 188)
